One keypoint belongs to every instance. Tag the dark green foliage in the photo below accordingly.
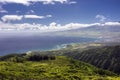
(104, 57)
(13, 57)
(40, 57)
(6, 57)
(25, 57)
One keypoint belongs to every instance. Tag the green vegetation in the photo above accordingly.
(26, 57)
(53, 65)
(61, 68)
(103, 57)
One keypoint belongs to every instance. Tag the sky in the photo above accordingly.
(52, 15)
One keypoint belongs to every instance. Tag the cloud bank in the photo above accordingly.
(52, 26)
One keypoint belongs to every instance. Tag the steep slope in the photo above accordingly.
(105, 57)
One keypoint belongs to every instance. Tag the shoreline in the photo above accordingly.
(68, 46)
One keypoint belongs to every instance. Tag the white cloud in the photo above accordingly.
(37, 17)
(28, 2)
(7, 18)
(72, 2)
(112, 23)
(3, 10)
(48, 16)
(30, 11)
(34, 16)
(24, 2)
(101, 17)
(18, 11)
(52, 26)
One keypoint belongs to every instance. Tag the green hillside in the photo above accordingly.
(103, 57)
(59, 68)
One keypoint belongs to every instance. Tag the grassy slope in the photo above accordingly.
(104, 57)
(60, 69)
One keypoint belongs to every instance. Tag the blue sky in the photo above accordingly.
(82, 11)
(62, 12)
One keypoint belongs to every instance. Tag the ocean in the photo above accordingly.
(20, 44)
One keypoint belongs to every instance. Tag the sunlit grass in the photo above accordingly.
(60, 69)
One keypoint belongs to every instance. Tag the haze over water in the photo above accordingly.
(17, 44)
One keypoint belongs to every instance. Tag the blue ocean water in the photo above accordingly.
(31, 43)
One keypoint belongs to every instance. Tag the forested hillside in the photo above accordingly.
(104, 57)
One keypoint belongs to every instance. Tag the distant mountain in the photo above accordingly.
(104, 33)
(101, 28)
